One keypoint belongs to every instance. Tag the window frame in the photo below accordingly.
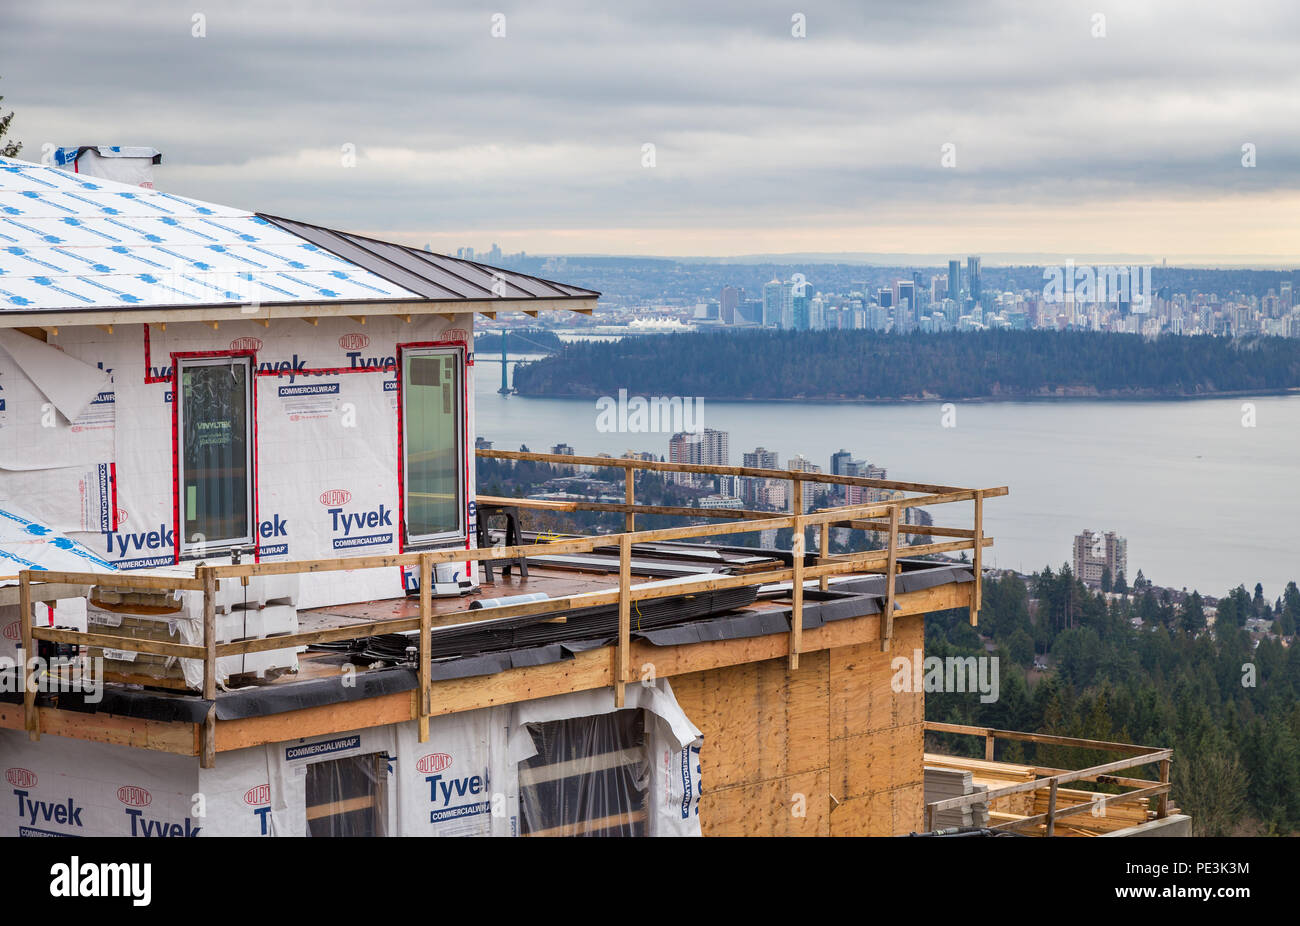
(187, 549)
(460, 412)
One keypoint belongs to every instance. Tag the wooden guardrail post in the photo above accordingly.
(209, 631)
(624, 617)
(629, 496)
(823, 553)
(208, 735)
(977, 593)
(1162, 802)
(989, 740)
(887, 619)
(31, 719)
(796, 592)
(1051, 808)
(425, 653)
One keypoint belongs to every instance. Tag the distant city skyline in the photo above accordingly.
(1164, 132)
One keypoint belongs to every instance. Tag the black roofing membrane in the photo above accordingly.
(843, 601)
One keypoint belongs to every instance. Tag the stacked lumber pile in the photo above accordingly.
(1115, 814)
(1104, 818)
(992, 776)
(258, 610)
(944, 783)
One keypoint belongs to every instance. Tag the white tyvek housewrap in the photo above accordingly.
(326, 438)
(67, 787)
(464, 781)
(56, 435)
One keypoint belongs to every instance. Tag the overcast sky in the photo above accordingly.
(1123, 146)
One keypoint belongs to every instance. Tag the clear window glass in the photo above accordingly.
(216, 450)
(432, 428)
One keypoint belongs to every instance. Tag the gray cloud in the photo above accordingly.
(543, 129)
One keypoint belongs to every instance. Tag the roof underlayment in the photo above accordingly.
(73, 243)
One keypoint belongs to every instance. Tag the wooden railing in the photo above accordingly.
(875, 516)
(1102, 774)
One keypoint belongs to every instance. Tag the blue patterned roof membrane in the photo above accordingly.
(71, 242)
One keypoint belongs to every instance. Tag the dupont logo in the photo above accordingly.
(434, 762)
(134, 796)
(253, 344)
(354, 341)
(20, 777)
(259, 795)
(13, 631)
(455, 334)
(332, 498)
(121, 516)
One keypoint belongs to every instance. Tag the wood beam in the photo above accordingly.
(891, 580)
(426, 644)
(31, 720)
(624, 618)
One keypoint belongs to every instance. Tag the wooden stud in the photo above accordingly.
(491, 315)
(989, 740)
(314, 321)
(208, 739)
(530, 313)
(359, 319)
(209, 579)
(796, 594)
(977, 596)
(264, 322)
(624, 617)
(405, 318)
(1051, 808)
(824, 551)
(629, 495)
(105, 328)
(213, 324)
(31, 720)
(1162, 803)
(426, 643)
(891, 575)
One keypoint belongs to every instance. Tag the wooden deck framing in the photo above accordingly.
(616, 673)
(1051, 781)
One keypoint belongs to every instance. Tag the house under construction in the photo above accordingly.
(247, 586)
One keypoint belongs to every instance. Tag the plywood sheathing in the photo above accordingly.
(832, 731)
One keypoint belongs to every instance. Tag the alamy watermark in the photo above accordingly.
(933, 674)
(1104, 283)
(638, 414)
(60, 675)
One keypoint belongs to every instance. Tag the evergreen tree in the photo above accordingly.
(9, 148)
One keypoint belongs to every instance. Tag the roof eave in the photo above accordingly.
(269, 311)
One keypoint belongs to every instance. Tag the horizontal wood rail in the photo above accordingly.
(882, 516)
(1136, 756)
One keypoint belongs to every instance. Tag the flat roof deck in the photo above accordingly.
(574, 660)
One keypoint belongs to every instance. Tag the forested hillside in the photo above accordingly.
(1230, 711)
(956, 365)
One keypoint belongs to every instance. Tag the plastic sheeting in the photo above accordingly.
(590, 777)
(133, 165)
(26, 543)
